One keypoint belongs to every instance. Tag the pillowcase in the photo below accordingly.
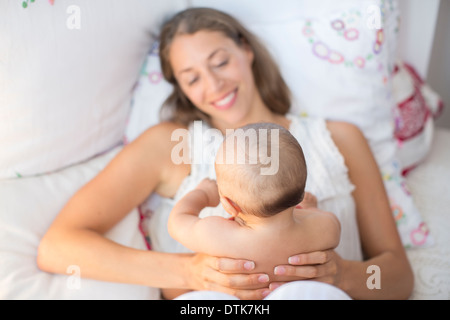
(66, 75)
(150, 92)
(27, 208)
(338, 59)
(417, 107)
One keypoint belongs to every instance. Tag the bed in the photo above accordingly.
(80, 79)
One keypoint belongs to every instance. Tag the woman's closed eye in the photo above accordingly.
(222, 64)
(192, 81)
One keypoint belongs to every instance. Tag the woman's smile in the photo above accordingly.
(215, 74)
(227, 101)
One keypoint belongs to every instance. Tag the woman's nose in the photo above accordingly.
(214, 82)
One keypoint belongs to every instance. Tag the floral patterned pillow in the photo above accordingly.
(338, 58)
(417, 107)
(339, 63)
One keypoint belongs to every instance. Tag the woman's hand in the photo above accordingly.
(230, 276)
(324, 266)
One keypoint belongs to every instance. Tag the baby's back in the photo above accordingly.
(271, 245)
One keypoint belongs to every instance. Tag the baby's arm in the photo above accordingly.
(184, 217)
(321, 228)
(184, 214)
(309, 201)
(324, 230)
(208, 235)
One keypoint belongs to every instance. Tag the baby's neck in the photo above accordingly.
(285, 217)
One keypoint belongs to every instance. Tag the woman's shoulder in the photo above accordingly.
(163, 130)
(346, 136)
(325, 145)
(160, 136)
(313, 133)
(342, 130)
(153, 149)
(156, 142)
(326, 132)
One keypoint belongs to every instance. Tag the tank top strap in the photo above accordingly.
(327, 173)
(203, 143)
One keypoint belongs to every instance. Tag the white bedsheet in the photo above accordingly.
(28, 206)
(429, 184)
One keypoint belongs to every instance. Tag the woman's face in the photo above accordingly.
(216, 75)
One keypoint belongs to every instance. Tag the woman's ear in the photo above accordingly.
(250, 54)
(248, 50)
(230, 206)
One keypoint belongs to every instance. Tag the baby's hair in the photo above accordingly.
(259, 194)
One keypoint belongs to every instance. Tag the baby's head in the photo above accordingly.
(243, 174)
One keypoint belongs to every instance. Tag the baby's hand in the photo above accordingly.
(209, 187)
(309, 201)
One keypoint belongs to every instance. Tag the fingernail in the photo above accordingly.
(263, 278)
(249, 265)
(273, 286)
(265, 293)
(294, 260)
(279, 270)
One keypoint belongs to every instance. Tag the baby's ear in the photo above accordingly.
(230, 206)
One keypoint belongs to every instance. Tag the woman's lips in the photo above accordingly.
(227, 101)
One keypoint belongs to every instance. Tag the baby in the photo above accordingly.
(267, 224)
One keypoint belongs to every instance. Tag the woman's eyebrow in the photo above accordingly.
(209, 58)
(214, 52)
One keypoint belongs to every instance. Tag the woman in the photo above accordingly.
(224, 77)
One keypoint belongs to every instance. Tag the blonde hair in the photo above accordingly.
(264, 195)
(272, 88)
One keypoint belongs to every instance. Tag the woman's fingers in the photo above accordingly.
(237, 280)
(306, 265)
(257, 294)
(243, 286)
(245, 281)
(230, 276)
(320, 266)
(317, 257)
(323, 273)
(227, 265)
(243, 294)
(300, 272)
(232, 273)
(252, 294)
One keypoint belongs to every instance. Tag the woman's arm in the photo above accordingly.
(380, 240)
(76, 237)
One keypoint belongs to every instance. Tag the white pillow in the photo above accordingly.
(66, 75)
(337, 57)
(27, 208)
(150, 93)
